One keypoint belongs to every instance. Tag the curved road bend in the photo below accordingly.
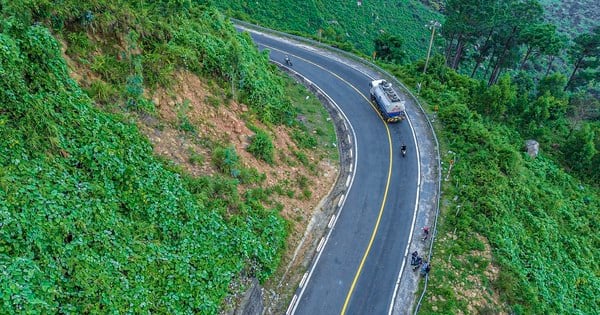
(378, 211)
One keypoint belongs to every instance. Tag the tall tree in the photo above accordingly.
(585, 53)
(464, 22)
(553, 49)
(521, 14)
(536, 37)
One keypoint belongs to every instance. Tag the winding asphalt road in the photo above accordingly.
(358, 267)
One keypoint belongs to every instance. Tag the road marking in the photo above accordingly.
(350, 153)
(349, 141)
(341, 200)
(303, 279)
(330, 224)
(291, 304)
(414, 219)
(376, 227)
(348, 180)
(321, 244)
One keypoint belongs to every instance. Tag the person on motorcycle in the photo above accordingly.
(403, 149)
(287, 60)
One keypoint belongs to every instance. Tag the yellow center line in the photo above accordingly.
(387, 184)
(374, 233)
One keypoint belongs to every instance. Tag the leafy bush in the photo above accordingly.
(261, 146)
(227, 160)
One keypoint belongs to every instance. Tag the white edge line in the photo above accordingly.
(341, 200)
(340, 114)
(348, 180)
(414, 219)
(340, 204)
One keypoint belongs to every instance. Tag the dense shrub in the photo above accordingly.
(261, 146)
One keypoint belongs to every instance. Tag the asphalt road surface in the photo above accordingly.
(357, 269)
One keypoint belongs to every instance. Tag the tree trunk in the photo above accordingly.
(494, 75)
(500, 60)
(449, 49)
(483, 48)
(487, 70)
(458, 56)
(549, 65)
(577, 64)
(529, 50)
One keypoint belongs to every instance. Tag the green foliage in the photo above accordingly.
(92, 222)
(495, 101)
(389, 48)
(102, 92)
(554, 85)
(303, 138)
(580, 150)
(227, 160)
(261, 146)
(78, 44)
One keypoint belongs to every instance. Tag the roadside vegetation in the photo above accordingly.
(92, 220)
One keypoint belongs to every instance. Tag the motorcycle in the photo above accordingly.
(287, 61)
(403, 150)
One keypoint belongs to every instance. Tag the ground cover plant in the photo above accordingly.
(91, 221)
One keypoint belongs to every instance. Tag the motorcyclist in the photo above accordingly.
(287, 60)
(403, 149)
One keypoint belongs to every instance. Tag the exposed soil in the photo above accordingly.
(223, 124)
(471, 287)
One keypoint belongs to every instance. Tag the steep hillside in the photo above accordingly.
(158, 187)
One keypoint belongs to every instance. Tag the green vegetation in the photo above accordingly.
(539, 219)
(93, 222)
(572, 16)
(500, 37)
(261, 146)
(314, 129)
(344, 24)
